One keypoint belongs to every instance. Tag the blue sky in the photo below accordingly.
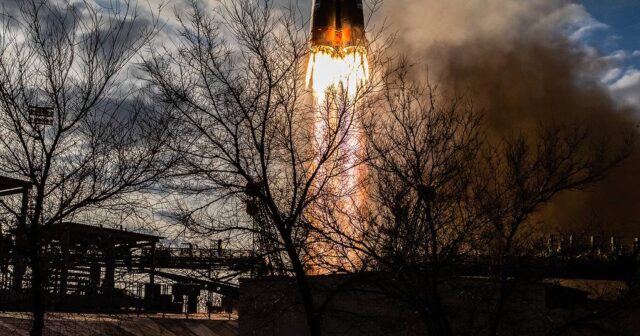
(622, 18)
(618, 38)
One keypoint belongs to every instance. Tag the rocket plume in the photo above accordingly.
(514, 61)
(338, 67)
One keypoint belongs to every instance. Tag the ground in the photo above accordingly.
(17, 324)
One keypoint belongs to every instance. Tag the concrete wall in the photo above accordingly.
(271, 307)
(359, 305)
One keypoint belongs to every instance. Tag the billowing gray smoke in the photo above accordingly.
(519, 63)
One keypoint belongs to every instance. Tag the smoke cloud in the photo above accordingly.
(521, 63)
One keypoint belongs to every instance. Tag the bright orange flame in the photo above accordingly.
(342, 73)
(328, 69)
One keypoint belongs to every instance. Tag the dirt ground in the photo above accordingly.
(17, 324)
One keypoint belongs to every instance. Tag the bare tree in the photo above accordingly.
(445, 195)
(521, 174)
(244, 121)
(422, 149)
(70, 121)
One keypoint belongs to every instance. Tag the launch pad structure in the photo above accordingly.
(91, 268)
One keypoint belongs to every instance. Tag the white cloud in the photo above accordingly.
(611, 75)
(631, 78)
(627, 88)
(636, 53)
(586, 30)
(617, 56)
(574, 20)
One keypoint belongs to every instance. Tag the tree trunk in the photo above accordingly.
(433, 313)
(304, 288)
(435, 323)
(38, 306)
(437, 314)
(37, 275)
(498, 311)
(440, 319)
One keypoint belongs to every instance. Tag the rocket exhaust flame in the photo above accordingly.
(347, 69)
(338, 67)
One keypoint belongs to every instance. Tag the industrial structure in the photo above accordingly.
(91, 268)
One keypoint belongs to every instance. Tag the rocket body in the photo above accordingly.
(337, 24)
(338, 67)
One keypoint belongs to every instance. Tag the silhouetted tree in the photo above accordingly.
(244, 126)
(444, 195)
(70, 121)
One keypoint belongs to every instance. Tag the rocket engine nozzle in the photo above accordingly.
(337, 24)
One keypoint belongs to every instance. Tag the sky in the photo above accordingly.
(508, 55)
(621, 25)
(616, 34)
(608, 31)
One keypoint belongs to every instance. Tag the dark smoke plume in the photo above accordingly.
(519, 62)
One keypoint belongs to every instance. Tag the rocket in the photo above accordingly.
(337, 24)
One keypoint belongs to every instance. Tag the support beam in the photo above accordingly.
(13, 191)
(109, 273)
(152, 275)
(64, 272)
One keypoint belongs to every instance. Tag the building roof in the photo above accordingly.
(12, 185)
(92, 234)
